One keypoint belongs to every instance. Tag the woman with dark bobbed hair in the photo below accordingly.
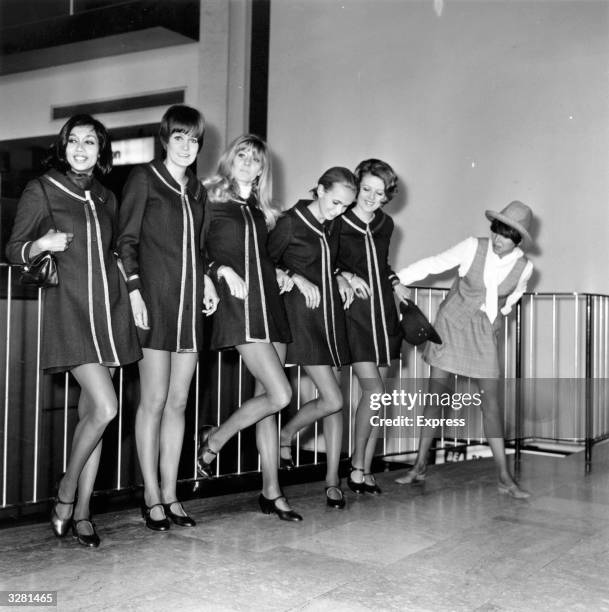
(373, 328)
(492, 276)
(87, 326)
(161, 220)
(304, 244)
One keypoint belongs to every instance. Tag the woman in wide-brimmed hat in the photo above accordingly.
(493, 275)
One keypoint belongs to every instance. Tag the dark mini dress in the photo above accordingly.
(87, 317)
(373, 327)
(159, 246)
(235, 235)
(301, 245)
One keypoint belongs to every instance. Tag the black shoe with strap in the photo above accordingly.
(286, 464)
(356, 487)
(203, 466)
(268, 506)
(183, 520)
(373, 488)
(60, 525)
(90, 540)
(335, 502)
(155, 524)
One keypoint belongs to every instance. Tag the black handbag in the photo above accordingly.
(42, 270)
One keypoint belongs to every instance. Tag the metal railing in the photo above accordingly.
(562, 339)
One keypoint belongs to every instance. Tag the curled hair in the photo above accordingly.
(57, 154)
(336, 174)
(382, 170)
(221, 187)
(501, 228)
(183, 119)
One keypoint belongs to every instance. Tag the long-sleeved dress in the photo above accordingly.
(159, 244)
(87, 317)
(373, 327)
(468, 318)
(235, 235)
(301, 245)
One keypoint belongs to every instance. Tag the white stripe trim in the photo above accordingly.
(380, 294)
(164, 181)
(102, 266)
(357, 227)
(193, 264)
(318, 232)
(90, 285)
(372, 308)
(23, 250)
(63, 188)
(184, 264)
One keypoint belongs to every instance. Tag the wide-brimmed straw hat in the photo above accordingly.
(516, 215)
(415, 326)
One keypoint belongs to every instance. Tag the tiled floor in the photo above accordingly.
(453, 543)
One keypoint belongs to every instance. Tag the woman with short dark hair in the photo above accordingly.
(87, 326)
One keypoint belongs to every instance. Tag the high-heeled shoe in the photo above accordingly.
(59, 525)
(373, 489)
(335, 502)
(412, 475)
(85, 539)
(513, 490)
(286, 464)
(183, 520)
(204, 467)
(267, 506)
(356, 487)
(154, 524)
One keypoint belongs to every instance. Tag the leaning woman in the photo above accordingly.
(493, 273)
(159, 245)
(87, 326)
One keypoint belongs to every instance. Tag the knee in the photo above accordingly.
(104, 412)
(153, 402)
(176, 403)
(333, 402)
(281, 397)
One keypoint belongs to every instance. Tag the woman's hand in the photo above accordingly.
(138, 307)
(236, 284)
(360, 287)
(345, 290)
(284, 280)
(402, 292)
(210, 297)
(308, 289)
(52, 241)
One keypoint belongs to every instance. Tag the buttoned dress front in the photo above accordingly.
(87, 316)
(300, 244)
(373, 327)
(236, 236)
(160, 248)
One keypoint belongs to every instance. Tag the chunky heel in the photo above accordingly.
(268, 506)
(154, 524)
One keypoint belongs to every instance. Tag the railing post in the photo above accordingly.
(518, 394)
(588, 383)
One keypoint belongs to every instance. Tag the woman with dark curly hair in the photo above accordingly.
(87, 326)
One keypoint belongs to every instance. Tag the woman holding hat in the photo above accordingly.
(373, 328)
(492, 276)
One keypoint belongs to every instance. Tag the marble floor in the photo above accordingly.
(453, 543)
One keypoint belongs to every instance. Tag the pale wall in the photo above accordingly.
(492, 101)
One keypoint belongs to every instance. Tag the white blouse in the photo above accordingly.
(496, 270)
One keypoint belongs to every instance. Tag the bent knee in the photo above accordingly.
(332, 403)
(106, 412)
(281, 397)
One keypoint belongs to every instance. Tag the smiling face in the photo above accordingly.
(371, 194)
(502, 246)
(182, 149)
(82, 149)
(334, 201)
(246, 166)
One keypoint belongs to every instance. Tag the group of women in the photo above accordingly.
(310, 286)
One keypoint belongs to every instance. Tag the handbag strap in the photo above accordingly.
(48, 204)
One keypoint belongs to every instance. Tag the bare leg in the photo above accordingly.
(328, 406)
(371, 381)
(183, 366)
(262, 360)
(155, 373)
(97, 406)
(440, 382)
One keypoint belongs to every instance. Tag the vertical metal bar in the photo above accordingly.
(298, 380)
(37, 404)
(588, 382)
(518, 398)
(240, 387)
(9, 298)
(66, 388)
(316, 427)
(350, 444)
(196, 431)
(119, 442)
(554, 368)
(218, 406)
